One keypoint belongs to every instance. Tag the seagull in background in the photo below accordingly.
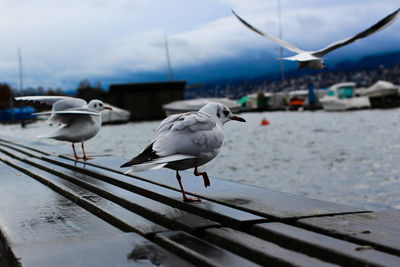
(313, 59)
(184, 141)
(78, 120)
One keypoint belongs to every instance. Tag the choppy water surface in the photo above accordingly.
(350, 157)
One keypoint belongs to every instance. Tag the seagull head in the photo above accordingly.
(97, 105)
(220, 112)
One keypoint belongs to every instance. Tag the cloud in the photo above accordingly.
(64, 42)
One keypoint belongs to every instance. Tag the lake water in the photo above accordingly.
(351, 158)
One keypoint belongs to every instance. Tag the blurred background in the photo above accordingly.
(149, 59)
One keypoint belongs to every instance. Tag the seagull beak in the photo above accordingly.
(237, 118)
(107, 107)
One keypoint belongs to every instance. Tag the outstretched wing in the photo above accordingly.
(380, 25)
(71, 111)
(65, 116)
(49, 100)
(272, 38)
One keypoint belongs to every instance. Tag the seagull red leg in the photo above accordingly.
(84, 154)
(185, 198)
(205, 176)
(75, 155)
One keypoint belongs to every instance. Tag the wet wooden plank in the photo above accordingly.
(381, 230)
(262, 252)
(257, 200)
(36, 145)
(152, 210)
(211, 210)
(217, 212)
(103, 208)
(260, 201)
(125, 249)
(31, 213)
(198, 251)
(321, 246)
(170, 217)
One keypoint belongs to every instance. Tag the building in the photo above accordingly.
(145, 100)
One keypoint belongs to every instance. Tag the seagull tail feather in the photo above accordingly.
(145, 167)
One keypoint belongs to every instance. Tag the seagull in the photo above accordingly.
(313, 59)
(78, 120)
(184, 141)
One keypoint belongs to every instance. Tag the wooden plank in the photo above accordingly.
(166, 215)
(258, 250)
(152, 210)
(31, 213)
(256, 200)
(217, 212)
(36, 145)
(322, 246)
(381, 230)
(126, 249)
(198, 251)
(107, 210)
(211, 210)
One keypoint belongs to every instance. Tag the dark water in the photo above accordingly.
(349, 157)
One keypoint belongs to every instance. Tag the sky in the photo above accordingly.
(112, 41)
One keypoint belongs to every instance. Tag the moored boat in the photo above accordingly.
(182, 106)
(382, 94)
(341, 97)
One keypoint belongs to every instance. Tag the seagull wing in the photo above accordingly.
(179, 137)
(72, 111)
(191, 133)
(380, 25)
(49, 100)
(66, 116)
(272, 38)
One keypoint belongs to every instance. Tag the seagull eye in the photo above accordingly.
(226, 113)
(100, 104)
(95, 105)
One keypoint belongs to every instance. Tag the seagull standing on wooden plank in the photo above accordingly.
(78, 120)
(313, 59)
(184, 141)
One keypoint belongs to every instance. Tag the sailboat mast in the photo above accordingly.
(170, 73)
(280, 47)
(21, 78)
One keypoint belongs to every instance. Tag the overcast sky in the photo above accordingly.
(63, 42)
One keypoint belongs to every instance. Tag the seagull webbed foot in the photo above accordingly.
(205, 176)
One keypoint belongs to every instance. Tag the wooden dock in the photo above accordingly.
(55, 211)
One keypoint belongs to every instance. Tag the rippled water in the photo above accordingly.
(350, 157)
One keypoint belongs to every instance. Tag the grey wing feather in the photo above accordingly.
(165, 125)
(271, 38)
(380, 25)
(65, 116)
(189, 134)
(49, 100)
(68, 104)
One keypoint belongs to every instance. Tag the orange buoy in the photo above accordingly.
(264, 122)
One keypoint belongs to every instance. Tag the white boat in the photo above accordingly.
(341, 96)
(115, 115)
(382, 94)
(196, 104)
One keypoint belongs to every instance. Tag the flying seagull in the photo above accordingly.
(313, 59)
(184, 141)
(78, 120)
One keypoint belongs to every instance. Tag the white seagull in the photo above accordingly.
(313, 59)
(184, 141)
(78, 120)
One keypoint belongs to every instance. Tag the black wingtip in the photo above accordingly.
(126, 164)
(147, 154)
